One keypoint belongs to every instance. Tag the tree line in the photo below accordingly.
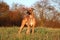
(45, 14)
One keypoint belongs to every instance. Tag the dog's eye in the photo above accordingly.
(30, 10)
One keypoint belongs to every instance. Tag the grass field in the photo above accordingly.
(11, 33)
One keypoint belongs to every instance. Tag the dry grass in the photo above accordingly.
(41, 33)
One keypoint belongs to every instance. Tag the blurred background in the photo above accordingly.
(47, 12)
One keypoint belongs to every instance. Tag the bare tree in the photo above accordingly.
(44, 11)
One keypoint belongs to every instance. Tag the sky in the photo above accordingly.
(27, 3)
(55, 4)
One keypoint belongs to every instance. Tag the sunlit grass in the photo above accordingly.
(41, 33)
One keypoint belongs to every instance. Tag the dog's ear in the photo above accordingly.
(32, 8)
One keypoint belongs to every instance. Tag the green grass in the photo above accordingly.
(41, 33)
